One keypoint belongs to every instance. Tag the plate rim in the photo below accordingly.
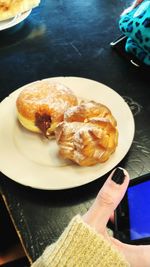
(86, 182)
(15, 20)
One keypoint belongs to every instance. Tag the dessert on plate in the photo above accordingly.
(88, 135)
(41, 105)
(11, 8)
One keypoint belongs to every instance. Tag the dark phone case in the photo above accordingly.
(119, 46)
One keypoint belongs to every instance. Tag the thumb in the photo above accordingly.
(107, 199)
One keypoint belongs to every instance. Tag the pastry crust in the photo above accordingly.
(86, 137)
(41, 105)
(87, 110)
(10, 8)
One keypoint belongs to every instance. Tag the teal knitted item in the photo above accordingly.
(136, 26)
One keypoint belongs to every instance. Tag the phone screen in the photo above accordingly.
(132, 216)
(139, 210)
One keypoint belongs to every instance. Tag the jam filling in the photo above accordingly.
(43, 122)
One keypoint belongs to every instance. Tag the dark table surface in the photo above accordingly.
(69, 38)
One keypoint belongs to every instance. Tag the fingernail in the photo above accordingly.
(118, 176)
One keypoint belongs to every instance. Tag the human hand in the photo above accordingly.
(102, 210)
(134, 4)
(137, 2)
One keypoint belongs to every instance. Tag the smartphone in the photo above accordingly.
(132, 216)
(119, 46)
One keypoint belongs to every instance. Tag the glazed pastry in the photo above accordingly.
(89, 140)
(41, 105)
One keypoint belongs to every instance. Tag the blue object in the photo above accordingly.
(136, 26)
(139, 210)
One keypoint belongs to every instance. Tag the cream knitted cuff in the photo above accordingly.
(80, 246)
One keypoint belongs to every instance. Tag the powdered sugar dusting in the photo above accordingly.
(45, 96)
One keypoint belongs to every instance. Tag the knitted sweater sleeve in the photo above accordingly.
(80, 245)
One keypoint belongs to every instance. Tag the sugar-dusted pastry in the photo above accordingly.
(87, 110)
(41, 105)
(88, 135)
(10, 8)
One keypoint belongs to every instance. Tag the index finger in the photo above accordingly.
(108, 199)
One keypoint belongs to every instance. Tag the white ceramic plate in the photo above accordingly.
(32, 160)
(6, 24)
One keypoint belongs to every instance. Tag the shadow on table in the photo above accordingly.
(22, 31)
